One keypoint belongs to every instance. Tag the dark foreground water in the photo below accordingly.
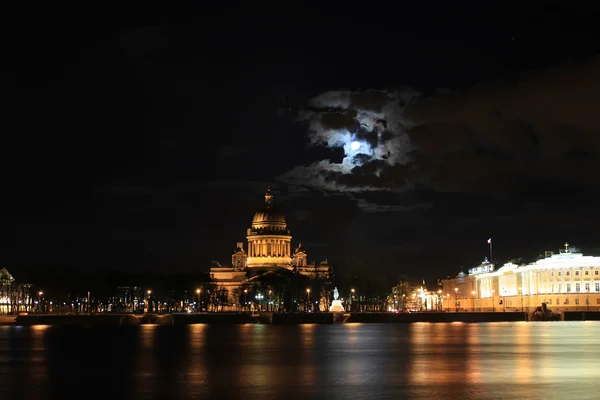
(557, 360)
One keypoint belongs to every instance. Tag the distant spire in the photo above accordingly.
(268, 196)
(566, 247)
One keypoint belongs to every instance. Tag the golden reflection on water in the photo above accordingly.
(196, 375)
(146, 366)
(424, 360)
(521, 358)
(473, 362)
(37, 370)
(307, 374)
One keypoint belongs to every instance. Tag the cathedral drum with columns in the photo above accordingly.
(269, 240)
(269, 249)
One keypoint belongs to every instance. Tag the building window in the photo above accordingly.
(596, 272)
(597, 287)
(578, 287)
(560, 288)
(568, 273)
(550, 301)
(552, 291)
(576, 300)
(567, 300)
(559, 273)
(558, 301)
(577, 273)
(568, 287)
(552, 273)
(587, 286)
(587, 272)
(598, 301)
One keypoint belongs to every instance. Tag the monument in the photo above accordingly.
(336, 304)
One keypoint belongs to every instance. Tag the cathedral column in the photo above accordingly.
(289, 249)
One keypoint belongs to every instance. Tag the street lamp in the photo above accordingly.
(259, 297)
(245, 300)
(149, 304)
(456, 298)
(39, 304)
(269, 301)
(308, 292)
(198, 291)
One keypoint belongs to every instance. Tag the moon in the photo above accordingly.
(355, 145)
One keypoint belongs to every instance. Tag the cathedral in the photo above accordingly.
(269, 249)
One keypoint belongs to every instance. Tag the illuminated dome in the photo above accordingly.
(268, 218)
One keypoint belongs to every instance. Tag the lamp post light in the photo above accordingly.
(448, 301)
(473, 293)
(308, 293)
(198, 291)
(149, 302)
(352, 291)
(40, 293)
(270, 302)
(456, 298)
(259, 297)
(245, 300)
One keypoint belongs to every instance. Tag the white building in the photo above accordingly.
(564, 281)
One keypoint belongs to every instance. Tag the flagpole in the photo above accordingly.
(491, 253)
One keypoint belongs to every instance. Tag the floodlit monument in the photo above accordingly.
(269, 251)
(336, 304)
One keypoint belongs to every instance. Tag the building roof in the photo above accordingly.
(5, 275)
(569, 258)
(269, 218)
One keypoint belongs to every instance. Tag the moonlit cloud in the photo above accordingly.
(370, 128)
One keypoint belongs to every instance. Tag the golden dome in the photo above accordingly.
(269, 218)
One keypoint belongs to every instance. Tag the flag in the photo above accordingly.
(490, 241)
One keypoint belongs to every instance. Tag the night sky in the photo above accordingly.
(144, 139)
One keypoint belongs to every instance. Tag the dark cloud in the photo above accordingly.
(495, 137)
(141, 41)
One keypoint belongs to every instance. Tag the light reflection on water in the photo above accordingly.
(378, 361)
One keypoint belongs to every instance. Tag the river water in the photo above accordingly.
(520, 360)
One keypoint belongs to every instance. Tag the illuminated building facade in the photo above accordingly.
(564, 281)
(14, 297)
(269, 249)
